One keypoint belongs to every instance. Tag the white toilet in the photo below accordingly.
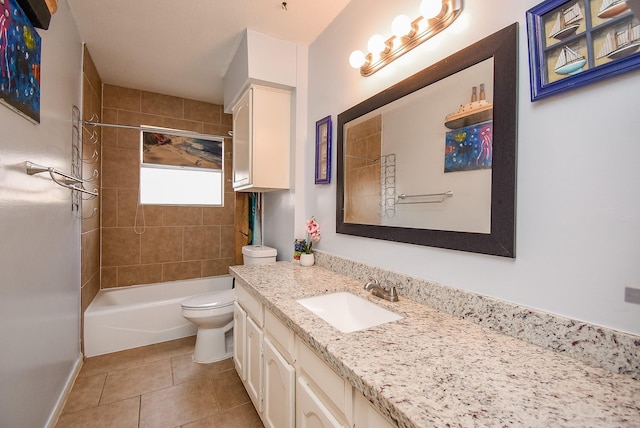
(212, 313)
(258, 255)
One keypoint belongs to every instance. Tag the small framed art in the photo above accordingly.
(323, 151)
(576, 42)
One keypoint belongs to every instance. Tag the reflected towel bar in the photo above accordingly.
(402, 198)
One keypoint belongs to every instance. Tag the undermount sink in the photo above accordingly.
(348, 312)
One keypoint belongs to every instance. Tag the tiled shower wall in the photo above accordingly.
(91, 150)
(362, 166)
(148, 244)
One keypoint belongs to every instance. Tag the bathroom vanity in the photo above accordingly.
(428, 368)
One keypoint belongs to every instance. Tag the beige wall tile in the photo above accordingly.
(162, 105)
(215, 129)
(181, 270)
(161, 240)
(161, 244)
(217, 266)
(91, 72)
(130, 138)
(202, 112)
(139, 274)
(201, 242)
(91, 212)
(89, 290)
(227, 240)
(108, 277)
(109, 134)
(227, 120)
(120, 98)
(90, 244)
(127, 205)
(220, 215)
(120, 246)
(184, 125)
(120, 168)
(109, 206)
(181, 216)
(149, 215)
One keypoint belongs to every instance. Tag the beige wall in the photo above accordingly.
(161, 243)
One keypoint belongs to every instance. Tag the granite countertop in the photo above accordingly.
(434, 369)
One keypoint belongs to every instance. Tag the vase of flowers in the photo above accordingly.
(304, 246)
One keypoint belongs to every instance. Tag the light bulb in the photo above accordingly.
(376, 44)
(357, 59)
(430, 8)
(401, 26)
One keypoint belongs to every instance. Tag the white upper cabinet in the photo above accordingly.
(262, 140)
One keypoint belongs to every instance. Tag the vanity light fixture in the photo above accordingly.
(435, 16)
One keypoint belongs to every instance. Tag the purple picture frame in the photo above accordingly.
(323, 151)
(582, 35)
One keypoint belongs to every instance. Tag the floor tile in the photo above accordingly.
(169, 349)
(229, 389)
(121, 414)
(111, 362)
(185, 369)
(178, 405)
(136, 381)
(85, 393)
(243, 416)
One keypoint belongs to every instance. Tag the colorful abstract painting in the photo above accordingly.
(20, 47)
(469, 148)
(162, 148)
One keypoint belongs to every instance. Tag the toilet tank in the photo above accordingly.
(258, 255)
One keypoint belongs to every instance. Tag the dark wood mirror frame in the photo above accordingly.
(503, 48)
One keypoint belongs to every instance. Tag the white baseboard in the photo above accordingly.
(62, 399)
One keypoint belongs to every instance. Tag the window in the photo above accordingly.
(181, 168)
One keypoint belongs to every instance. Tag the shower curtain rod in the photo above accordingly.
(152, 129)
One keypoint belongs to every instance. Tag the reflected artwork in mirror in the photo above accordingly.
(432, 160)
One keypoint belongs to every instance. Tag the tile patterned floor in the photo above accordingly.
(158, 386)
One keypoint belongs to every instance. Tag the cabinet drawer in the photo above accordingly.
(281, 336)
(328, 382)
(253, 307)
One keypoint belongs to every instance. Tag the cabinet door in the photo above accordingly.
(310, 411)
(239, 340)
(253, 363)
(242, 141)
(365, 416)
(279, 389)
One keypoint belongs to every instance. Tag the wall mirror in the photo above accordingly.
(432, 160)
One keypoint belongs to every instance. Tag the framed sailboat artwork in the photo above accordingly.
(576, 42)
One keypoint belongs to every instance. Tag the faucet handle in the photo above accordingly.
(393, 292)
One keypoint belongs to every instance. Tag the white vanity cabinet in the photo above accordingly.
(264, 360)
(323, 398)
(288, 383)
(262, 139)
(248, 338)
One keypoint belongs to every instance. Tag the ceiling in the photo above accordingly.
(183, 48)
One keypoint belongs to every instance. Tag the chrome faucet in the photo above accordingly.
(387, 293)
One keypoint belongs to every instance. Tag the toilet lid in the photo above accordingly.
(217, 299)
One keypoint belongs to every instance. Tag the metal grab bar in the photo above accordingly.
(443, 196)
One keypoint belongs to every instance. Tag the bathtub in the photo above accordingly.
(128, 317)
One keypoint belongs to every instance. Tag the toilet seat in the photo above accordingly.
(217, 299)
